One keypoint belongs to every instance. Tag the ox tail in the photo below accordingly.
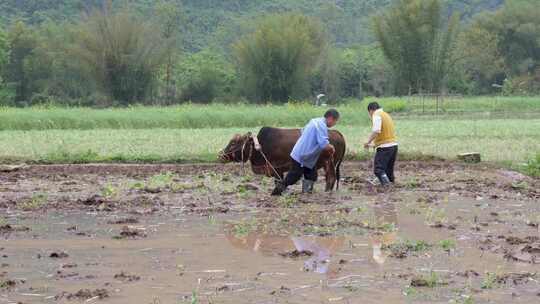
(338, 173)
(338, 166)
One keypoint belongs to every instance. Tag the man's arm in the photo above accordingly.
(376, 130)
(322, 139)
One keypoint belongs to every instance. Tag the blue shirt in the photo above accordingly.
(313, 140)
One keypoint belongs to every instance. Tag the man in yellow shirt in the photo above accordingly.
(383, 136)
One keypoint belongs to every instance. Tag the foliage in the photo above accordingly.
(4, 53)
(353, 72)
(55, 72)
(417, 42)
(379, 76)
(394, 106)
(123, 53)
(325, 78)
(163, 48)
(506, 44)
(347, 21)
(532, 167)
(478, 60)
(276, 59)
(204, 76)
(22, 42)
(171, 20)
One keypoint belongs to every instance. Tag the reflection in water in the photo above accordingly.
(321, 256)
(386, 220)
(322, 248)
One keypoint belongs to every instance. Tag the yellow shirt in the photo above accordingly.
(384, 125)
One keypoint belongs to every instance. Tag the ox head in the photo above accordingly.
(238, 149)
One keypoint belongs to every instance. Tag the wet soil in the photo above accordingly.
(445, 233)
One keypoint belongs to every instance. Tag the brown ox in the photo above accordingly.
(273, 159)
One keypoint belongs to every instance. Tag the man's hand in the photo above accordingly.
(367, 146)
(330, 149)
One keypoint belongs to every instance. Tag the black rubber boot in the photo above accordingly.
(278, 190)
(385, 181)
(307, 186)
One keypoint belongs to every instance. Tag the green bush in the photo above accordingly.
(527, 85)
(532, 168)
(7, 96)
(276, 59)
(204, 77)
(394, 106)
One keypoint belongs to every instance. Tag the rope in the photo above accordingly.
(268, 164)
(258, 147)
(242, 155)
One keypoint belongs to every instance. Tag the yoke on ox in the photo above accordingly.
(269, 153)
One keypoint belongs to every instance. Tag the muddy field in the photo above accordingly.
(446, 233)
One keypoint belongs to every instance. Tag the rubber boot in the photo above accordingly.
(385, 181)
(307, 186)
(278, 190)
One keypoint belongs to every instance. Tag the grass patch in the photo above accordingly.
(244, 227)
(162, 180)
(109, 191)
(532, 168)
(405, 248)
(419, 140)
(486, 104)
(490, 281)
(191, 116)
(431, 280)
(447, 245)
(186, 116)
(37, 201)
(288, 201)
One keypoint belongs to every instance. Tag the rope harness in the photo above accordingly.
(269, 168)
(268, 165)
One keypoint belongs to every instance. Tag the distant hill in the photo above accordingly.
(347, 20)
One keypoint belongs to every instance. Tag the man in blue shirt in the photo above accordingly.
(306, 151)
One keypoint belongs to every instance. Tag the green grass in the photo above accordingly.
(501, 140)
(490, 104)
(532, 167)
(190, 116)
(195, 133)
(37, 201)
(447, 245)
(175, 117)
(490, 281)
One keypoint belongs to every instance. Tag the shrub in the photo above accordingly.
(394, 106)
(532, 168)
(203, 77)
(277, 58)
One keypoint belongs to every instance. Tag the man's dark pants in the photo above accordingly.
(385, 158)
(296, 172)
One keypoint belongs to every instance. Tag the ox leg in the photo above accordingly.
(330, 171)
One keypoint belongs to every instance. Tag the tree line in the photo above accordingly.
(116, 56)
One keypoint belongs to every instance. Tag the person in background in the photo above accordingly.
(383, 137)
(306, 152)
